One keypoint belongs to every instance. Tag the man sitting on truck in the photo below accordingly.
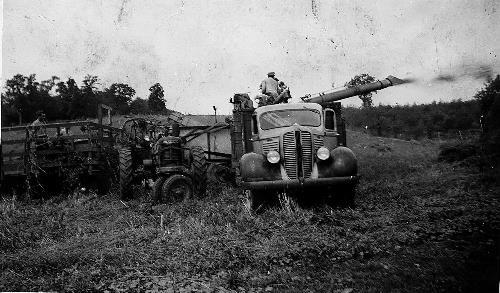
(269, 86)
(284, 93)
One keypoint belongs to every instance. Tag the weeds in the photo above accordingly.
(419, 226)
(287, 203)
(247, 204)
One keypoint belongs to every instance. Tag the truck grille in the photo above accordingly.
(307, 153)
(298, 164)
(318, 142)
(268, 146)
(289, 152)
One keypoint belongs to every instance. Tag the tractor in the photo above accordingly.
(150, 151)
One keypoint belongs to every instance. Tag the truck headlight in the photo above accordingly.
(273, 157)
(323, 153)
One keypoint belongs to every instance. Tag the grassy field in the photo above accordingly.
(419, 226)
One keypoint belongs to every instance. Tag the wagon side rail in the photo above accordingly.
(197, 131)
(16, 150)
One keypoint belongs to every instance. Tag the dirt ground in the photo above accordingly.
(419, 225)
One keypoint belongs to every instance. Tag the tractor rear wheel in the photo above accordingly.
(157, 189)
(125, 172)
(198, 170)
(176, 188)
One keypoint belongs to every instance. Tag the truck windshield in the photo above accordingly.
(283, 118)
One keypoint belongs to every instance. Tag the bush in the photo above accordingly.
(455, 152)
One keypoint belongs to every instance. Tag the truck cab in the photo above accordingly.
(294, 146)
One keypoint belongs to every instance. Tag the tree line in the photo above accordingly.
(489, 103)
(435, 120)
(438, 119)
(23, 97)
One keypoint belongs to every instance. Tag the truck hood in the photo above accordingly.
(277, 132)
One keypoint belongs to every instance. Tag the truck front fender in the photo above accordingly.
(255, 167)
(342, 162)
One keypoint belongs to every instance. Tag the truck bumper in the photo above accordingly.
(296, 183)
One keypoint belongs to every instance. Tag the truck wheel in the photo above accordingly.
(258, 200)
(346, 196)
(125, 172)
(198, 169)
(176, 188)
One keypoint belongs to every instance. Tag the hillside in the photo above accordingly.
(419, 226)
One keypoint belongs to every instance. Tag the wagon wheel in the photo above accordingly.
(101, 182)
(198, 169)
(176, 188)
(125, 172)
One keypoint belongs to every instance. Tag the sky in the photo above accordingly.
(202, 52)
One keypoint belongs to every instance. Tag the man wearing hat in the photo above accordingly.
(269, 87)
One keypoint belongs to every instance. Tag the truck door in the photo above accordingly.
(331, 134)
(336, 107)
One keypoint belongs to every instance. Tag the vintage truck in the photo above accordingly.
(296, 148)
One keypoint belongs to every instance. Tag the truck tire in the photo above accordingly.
(125, 172)
(198, 170)
(347, 195)
(157, 186)
(258, 200)
(176, 188)
(343, 196)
